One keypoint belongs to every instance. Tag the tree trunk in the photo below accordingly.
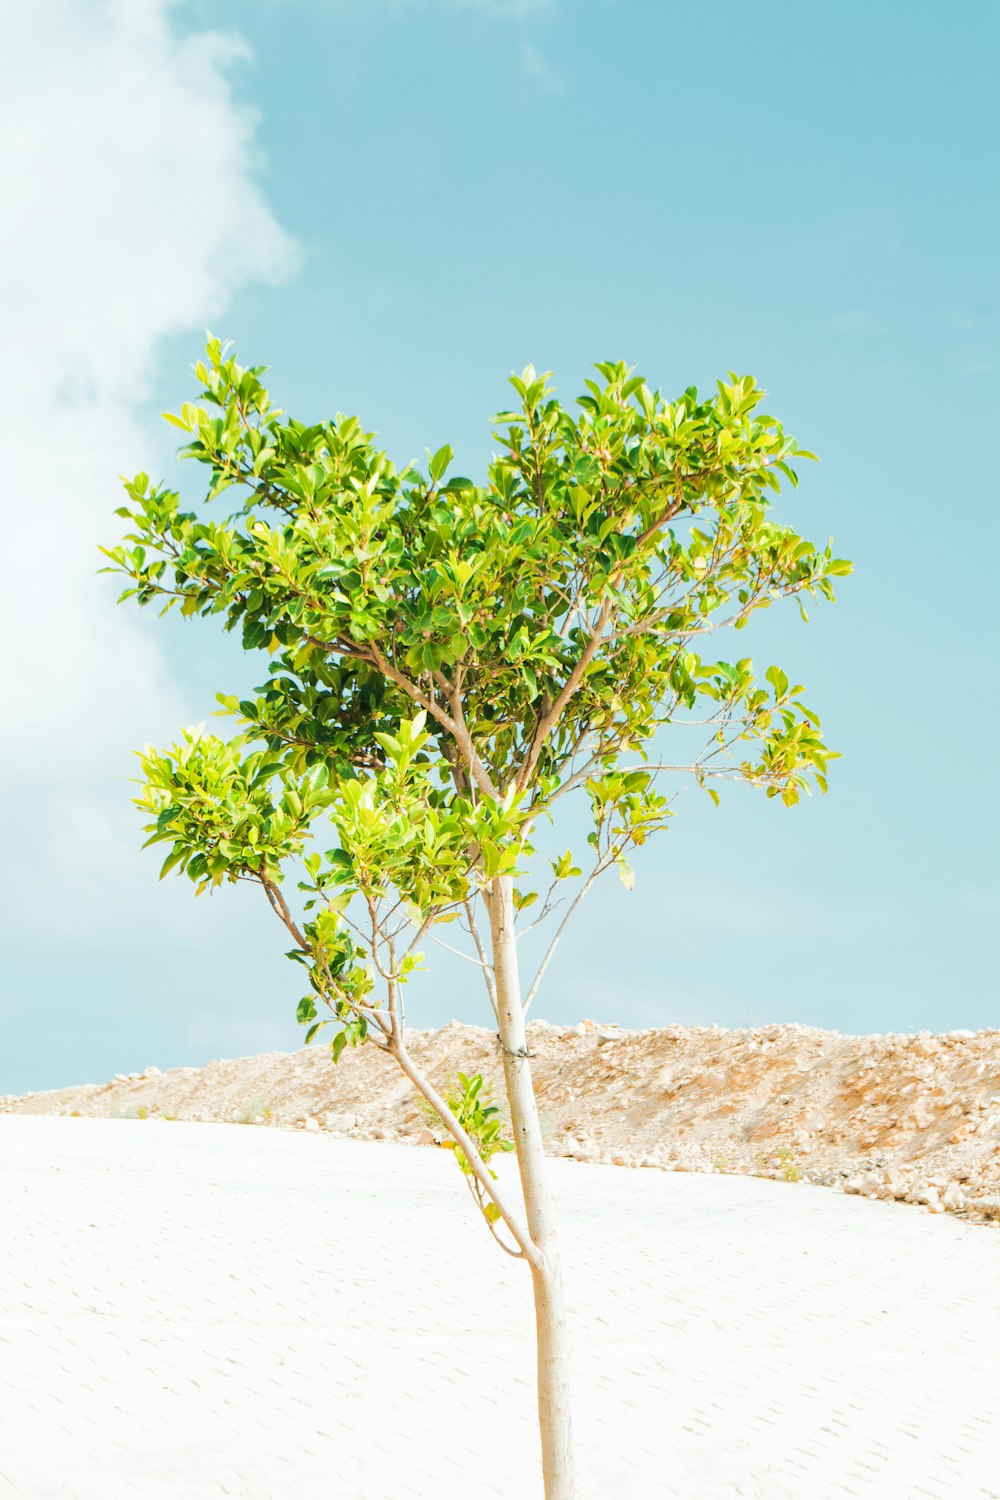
(552, 1335)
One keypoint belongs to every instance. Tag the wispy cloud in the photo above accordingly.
(538, 70)
(514, 10)
(132, 211)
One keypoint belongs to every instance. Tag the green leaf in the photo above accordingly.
(338, 1044)
(778, 680)
(440, 462)
(173, 860)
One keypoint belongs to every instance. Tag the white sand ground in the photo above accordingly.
(191, 1311)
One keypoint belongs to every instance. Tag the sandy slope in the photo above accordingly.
(915, 1118)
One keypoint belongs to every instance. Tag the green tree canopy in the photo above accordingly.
(450, 658)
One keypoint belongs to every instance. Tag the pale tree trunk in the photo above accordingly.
(554, 1415)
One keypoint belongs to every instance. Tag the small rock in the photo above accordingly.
(953, 1199)
(712, 1078)
(895, 1186)
(311, 1123)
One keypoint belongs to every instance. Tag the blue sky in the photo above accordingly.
(393, 205)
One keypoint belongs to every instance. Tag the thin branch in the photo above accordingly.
(571, 613)
(598, 869)
(548, 907)
(425, 924)
(423, 1085)
(558, 935)
(389, 976)
(280, 907)
(464, 739)
(694, 769)
(577, 778)
(551, 716)
(484, 962)
(458, 953)
(665, 515)
(475, 1187)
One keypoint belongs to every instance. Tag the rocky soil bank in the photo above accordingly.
(911, 1118)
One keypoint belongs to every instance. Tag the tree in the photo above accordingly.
(451, 660)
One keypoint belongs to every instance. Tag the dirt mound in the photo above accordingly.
(914, 1118)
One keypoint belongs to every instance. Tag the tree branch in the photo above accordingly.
(665, 515)
(485, 964)
(280, 908)
(551, 717)
(423, 1085)
(598, 869)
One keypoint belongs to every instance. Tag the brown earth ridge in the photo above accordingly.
(915, 1118)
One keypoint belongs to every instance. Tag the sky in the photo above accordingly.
(393, 205)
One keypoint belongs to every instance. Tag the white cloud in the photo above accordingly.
(538, 70)
(132, 212)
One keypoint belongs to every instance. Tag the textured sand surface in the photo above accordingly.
(192, 1311)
